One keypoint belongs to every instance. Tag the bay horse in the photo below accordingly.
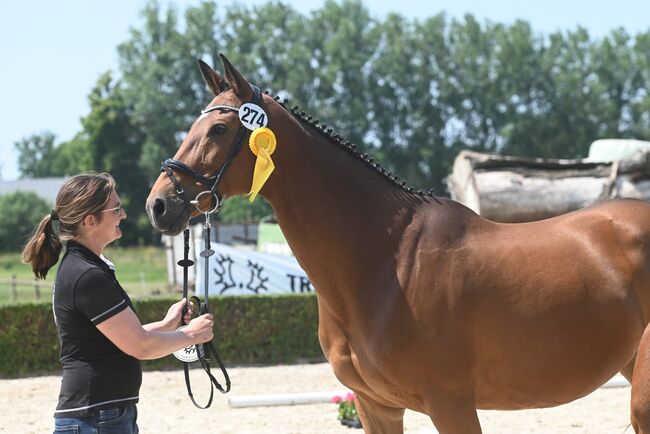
(423, 304)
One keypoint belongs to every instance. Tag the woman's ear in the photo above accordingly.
(89, 221)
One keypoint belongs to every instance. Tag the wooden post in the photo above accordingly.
(14, 292)
(37, 289)
(512, 189)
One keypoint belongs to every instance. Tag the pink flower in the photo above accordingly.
(350, 396)
(336, 399)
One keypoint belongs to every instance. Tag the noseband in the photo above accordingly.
(170, 164)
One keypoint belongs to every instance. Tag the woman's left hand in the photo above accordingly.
(175, 312)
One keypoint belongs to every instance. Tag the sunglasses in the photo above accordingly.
(116, 210)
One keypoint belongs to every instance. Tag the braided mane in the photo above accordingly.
(329, 133)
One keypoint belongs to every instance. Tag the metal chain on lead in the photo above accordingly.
(205, 254)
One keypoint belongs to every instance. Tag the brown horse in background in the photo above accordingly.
(423, 304)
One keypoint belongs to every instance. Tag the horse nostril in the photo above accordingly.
(159, 207)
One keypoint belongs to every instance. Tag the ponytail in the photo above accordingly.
(43, 249)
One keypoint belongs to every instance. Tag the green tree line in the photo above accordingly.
(411, 92)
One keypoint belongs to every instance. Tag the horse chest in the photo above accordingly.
(398, 364)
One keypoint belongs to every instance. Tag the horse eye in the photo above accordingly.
(217, 129)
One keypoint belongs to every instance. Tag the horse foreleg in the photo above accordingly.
(377, 418)
(454, 415)
(640, 403)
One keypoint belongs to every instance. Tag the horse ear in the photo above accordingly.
(238, 83)
(215, 82)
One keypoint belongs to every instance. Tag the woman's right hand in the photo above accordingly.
(199, 330)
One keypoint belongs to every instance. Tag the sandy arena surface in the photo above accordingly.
(26, 407)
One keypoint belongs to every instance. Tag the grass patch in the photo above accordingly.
(10, 264)
(142, 271)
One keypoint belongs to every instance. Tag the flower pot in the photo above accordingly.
(351, 422)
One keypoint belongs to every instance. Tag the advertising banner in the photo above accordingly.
(235, 271)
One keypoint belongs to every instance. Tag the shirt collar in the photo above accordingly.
(73, 246)
(107, 262)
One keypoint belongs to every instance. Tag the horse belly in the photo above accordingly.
(553, 359)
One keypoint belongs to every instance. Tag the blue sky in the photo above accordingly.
(53, 51)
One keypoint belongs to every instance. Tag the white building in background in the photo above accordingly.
(45, 188)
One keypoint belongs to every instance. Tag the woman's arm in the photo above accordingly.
(129, 335)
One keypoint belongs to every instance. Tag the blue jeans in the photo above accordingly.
(115, 420)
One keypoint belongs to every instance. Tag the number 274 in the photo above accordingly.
(252, 116)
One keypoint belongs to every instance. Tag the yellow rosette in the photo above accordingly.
(262, 143)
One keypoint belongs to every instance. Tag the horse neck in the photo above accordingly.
(341, 218)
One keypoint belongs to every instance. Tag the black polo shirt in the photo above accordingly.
(96, 374)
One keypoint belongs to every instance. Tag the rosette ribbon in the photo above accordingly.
(262, 142)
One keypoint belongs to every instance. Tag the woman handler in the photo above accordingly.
(102, 340)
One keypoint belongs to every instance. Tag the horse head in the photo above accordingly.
(214, 160)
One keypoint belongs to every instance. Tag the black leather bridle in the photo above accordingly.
(205, 351)
(170, 164)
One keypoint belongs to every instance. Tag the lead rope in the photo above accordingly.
(203, 351)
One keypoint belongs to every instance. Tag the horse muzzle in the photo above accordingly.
(167, 214)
